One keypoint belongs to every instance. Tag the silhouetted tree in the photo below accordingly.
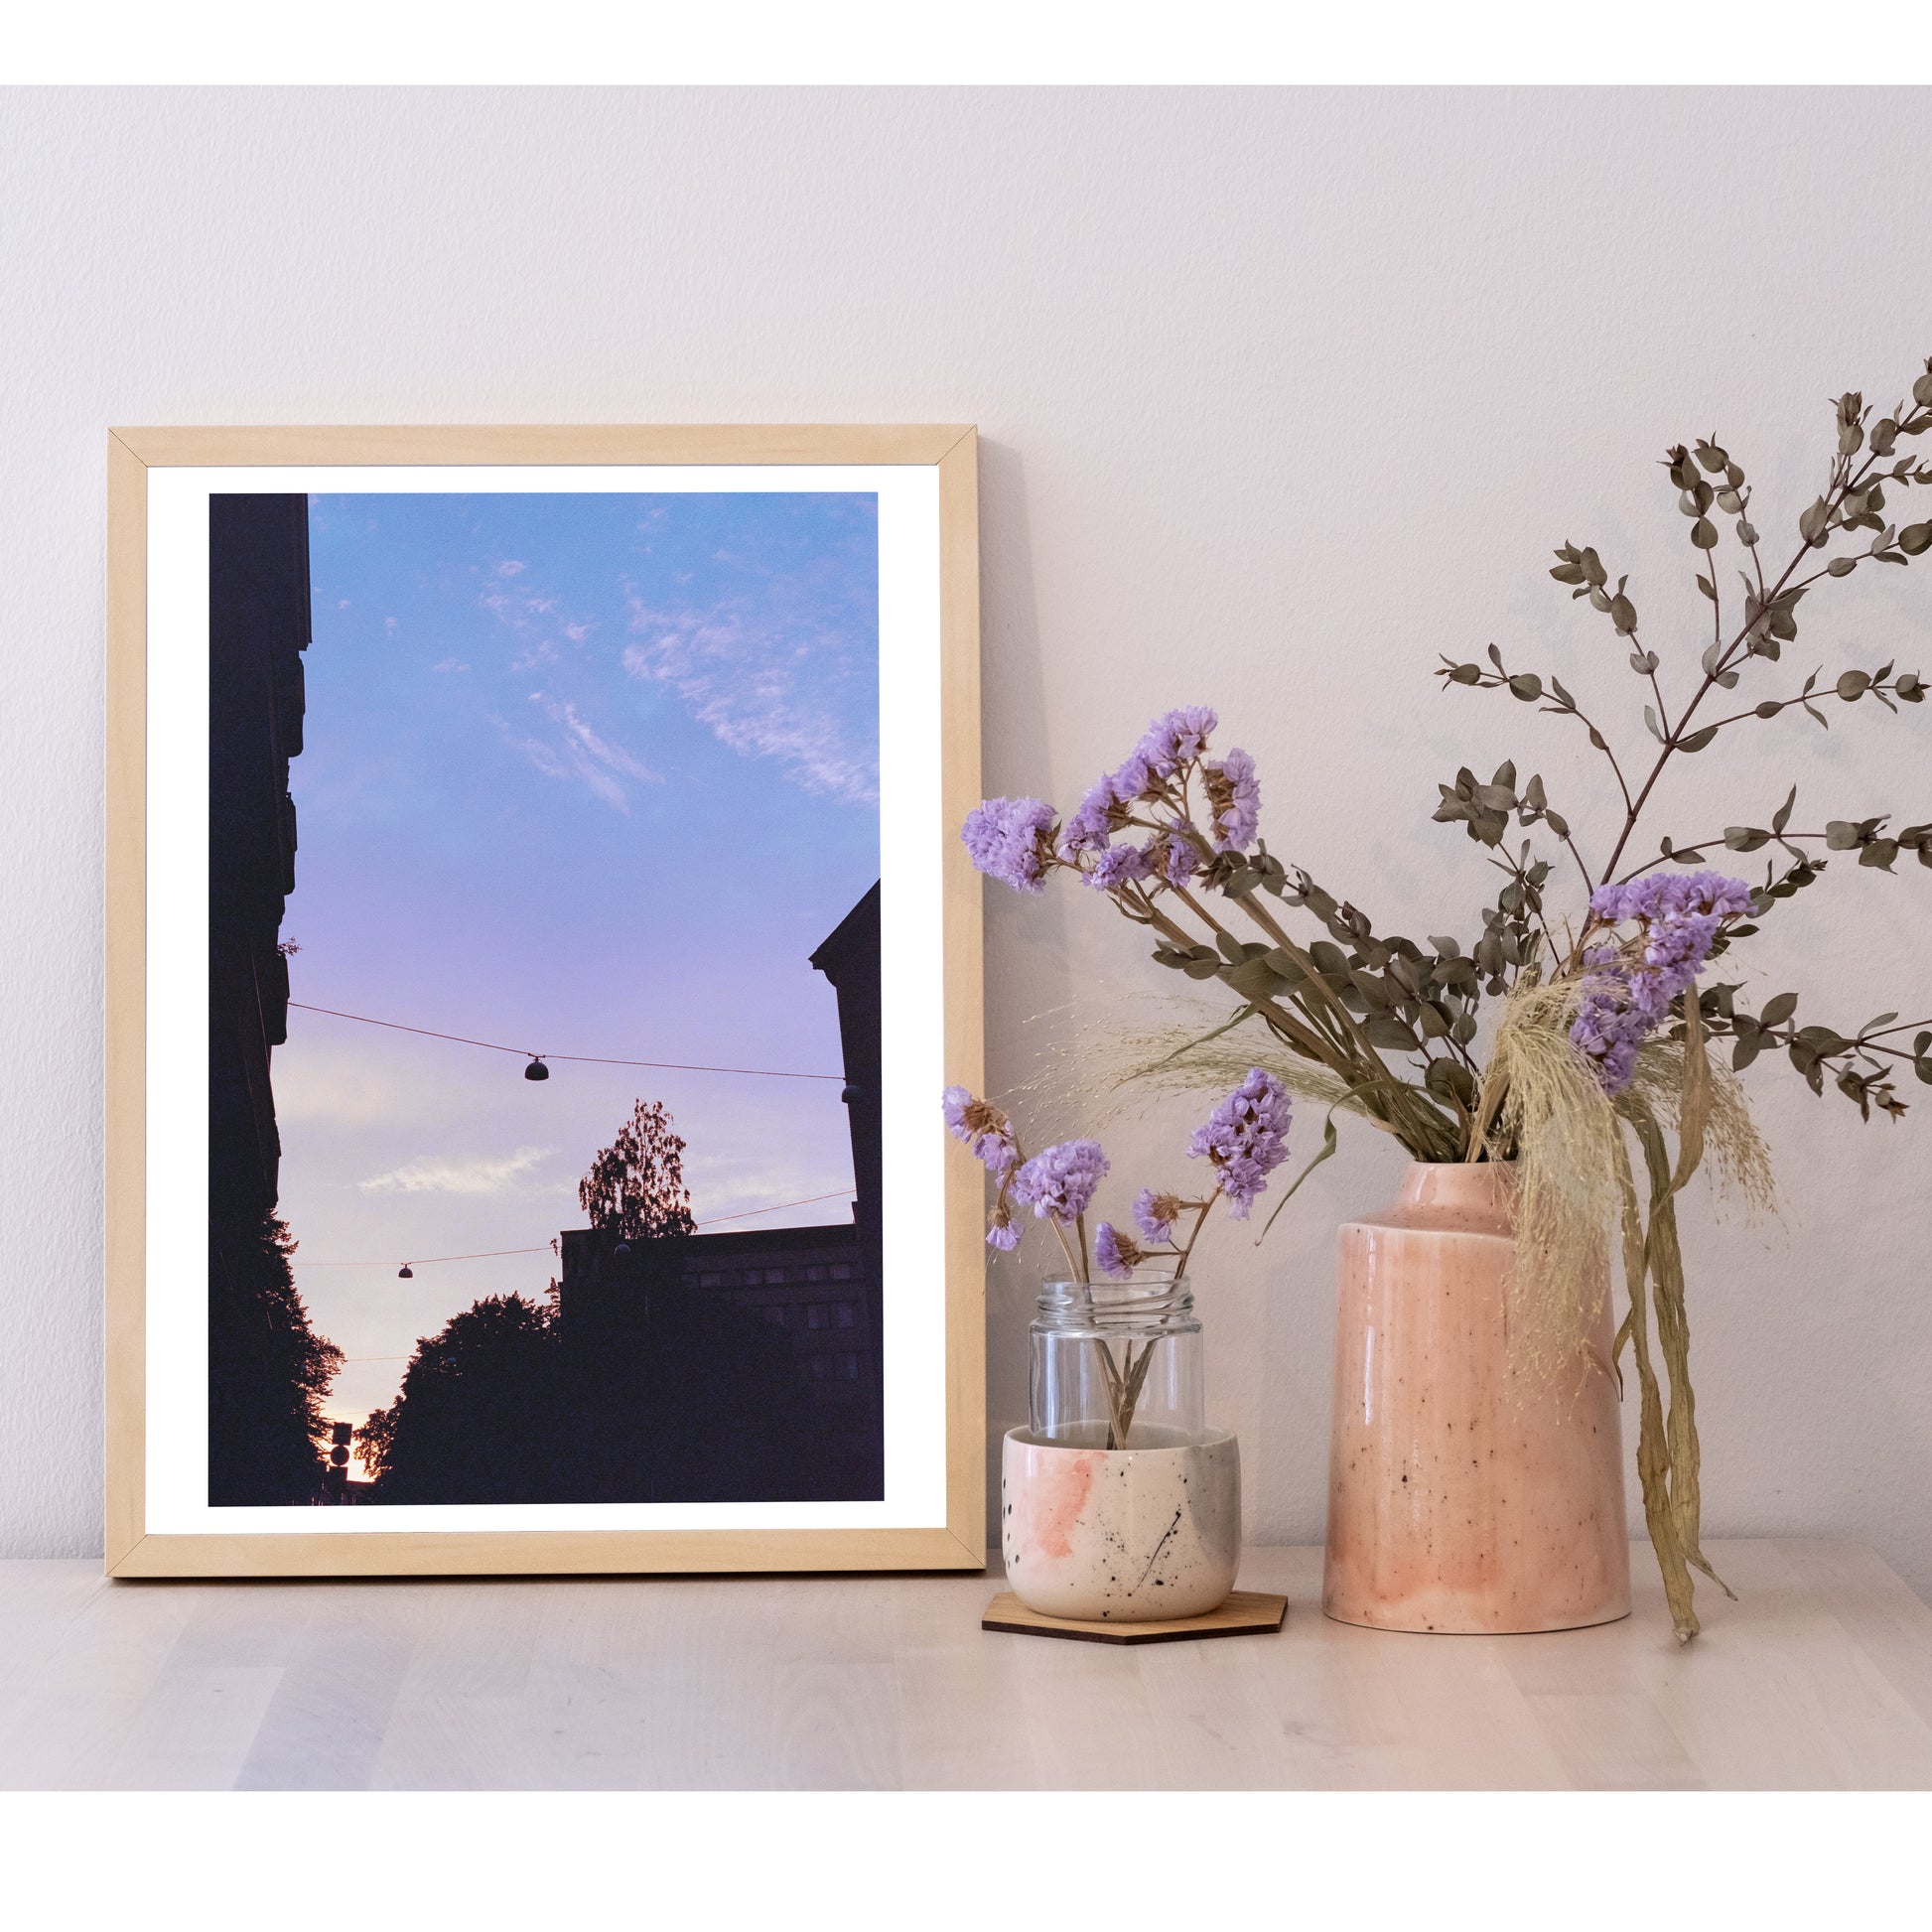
(681, 1398)
(636, 1185)
(476, 1419)
(268, 1372)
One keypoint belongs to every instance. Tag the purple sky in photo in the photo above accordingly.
(582, 774)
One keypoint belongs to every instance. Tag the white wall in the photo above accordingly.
(1282, 394)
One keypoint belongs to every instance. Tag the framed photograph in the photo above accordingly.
(538, 936)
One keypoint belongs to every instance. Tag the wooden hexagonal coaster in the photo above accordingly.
(1246, 1613)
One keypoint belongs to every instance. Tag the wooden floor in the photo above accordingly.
(1820, 1677)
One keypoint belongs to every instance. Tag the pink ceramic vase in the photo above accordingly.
(1467, 1491)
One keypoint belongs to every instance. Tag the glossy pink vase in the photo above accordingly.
(1467, 1492)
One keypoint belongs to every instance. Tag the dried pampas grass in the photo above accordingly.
(1541, 1106)
(1100, 1069)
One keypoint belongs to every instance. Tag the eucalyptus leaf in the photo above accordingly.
(1431, 1022)
(1384, 1029)
(1822, 1039)
(1255, 980)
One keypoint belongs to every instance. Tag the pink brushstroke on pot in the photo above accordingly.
(1121, 1534)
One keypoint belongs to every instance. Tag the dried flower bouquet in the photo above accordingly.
(1601, 1032)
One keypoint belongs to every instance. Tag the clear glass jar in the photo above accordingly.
(1117, 1364)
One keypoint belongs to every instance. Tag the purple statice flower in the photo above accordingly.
(1246, 1137)
(1060, 1180)
(1106, 808)
(1092, 827)
(1115, 1253)
(1661, 896)
(1634, 985)
(1672, 954)
(1608, 1029)
(1000, 1231)
(1170, 857)
(1155, 1214)
(1175, 738)
(983, 1128)
(1236, 793)
(1118, 865)
(1008, 838)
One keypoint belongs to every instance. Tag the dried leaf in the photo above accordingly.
(1653, 1453)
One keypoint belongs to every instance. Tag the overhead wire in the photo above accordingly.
(581, 1059)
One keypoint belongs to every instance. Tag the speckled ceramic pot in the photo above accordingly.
(1467, 1491)
(1121, 1534)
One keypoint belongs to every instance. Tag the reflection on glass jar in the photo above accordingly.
(1117, 1364)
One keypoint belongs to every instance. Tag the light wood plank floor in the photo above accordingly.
(1820, 1677)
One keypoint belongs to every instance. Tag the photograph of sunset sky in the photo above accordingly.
(544, 1054)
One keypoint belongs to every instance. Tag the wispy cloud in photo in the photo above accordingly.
(436, 1173)
(766, 685)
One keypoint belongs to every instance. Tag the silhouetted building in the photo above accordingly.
(807, 1286)
(258, 629)
(267, 1368)
(816, 1288)
(849, 958)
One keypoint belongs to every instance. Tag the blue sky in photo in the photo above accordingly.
(582, 774)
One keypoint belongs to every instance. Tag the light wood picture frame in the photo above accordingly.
(921, 1312)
